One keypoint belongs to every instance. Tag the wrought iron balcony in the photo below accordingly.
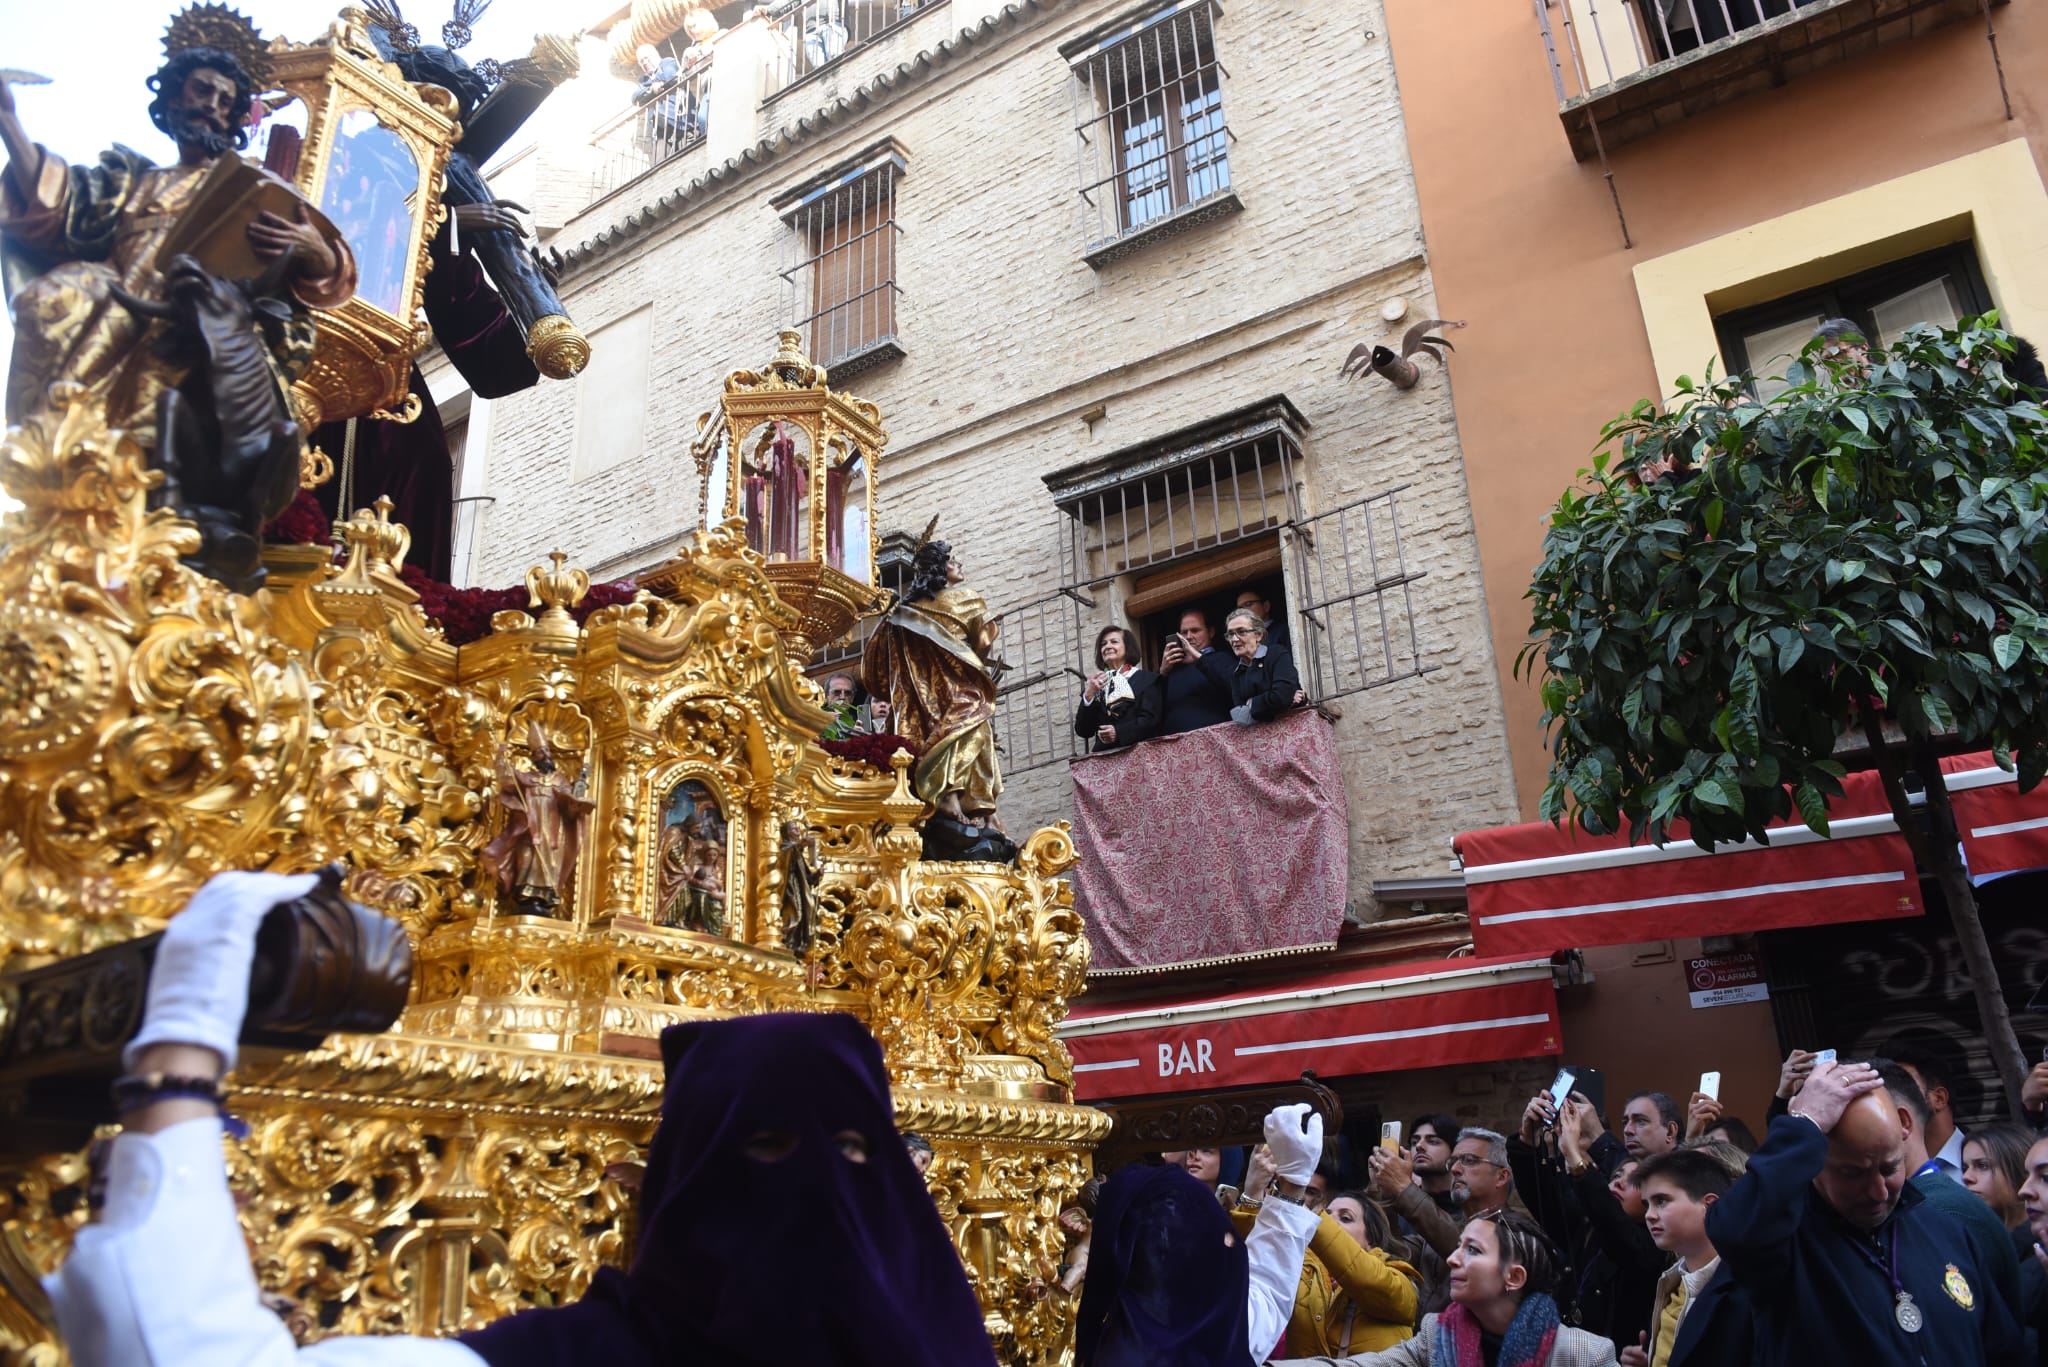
(816, 33)
(668, 121)
(1625, 68)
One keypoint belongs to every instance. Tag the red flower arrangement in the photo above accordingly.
(874, 750)
(464, 615)
(303, 522)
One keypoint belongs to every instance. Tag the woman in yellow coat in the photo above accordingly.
(1353, 1297)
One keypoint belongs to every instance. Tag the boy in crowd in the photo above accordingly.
(1699, 1317)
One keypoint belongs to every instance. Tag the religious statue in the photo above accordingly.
(103, 269)
(534, 857)
(799, 886)
(933, 658)
(691, 858)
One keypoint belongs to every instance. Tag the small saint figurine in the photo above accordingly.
(799, 887)
(933, 660)
(692, 858)
(534, 857)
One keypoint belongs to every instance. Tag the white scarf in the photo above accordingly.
(1118, 686)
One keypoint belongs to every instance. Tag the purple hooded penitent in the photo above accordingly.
(1169, 1281)
(813, 1259)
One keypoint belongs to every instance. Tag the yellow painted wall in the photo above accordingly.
(1994, 197)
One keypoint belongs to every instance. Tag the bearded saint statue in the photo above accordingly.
(534, 857)
(70, 235)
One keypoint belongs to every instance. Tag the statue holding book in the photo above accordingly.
(97, 259)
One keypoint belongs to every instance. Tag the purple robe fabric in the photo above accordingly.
(811, 1259)
(1169, 1281)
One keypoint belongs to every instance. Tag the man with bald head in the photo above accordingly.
(1844, 1261)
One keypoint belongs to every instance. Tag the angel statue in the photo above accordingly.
(88, 275)
(933, 658)
(534, 857)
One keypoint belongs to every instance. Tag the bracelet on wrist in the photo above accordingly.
(132, 1091)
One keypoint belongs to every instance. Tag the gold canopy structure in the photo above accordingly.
(155, 728)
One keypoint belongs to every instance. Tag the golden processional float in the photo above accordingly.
(589, 831)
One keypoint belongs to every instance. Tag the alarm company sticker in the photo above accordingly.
(1958, 1288)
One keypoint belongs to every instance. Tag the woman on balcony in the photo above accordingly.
(1120, 703)
(1264, 683)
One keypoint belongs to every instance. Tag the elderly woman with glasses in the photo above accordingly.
(1264, 683)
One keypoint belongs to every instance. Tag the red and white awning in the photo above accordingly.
(1537, 888)
(2003, 829)
(1363, 1021)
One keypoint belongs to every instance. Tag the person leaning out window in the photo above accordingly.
(1264, 683)
(1120, 703)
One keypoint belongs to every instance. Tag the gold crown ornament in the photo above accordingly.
(229, 30)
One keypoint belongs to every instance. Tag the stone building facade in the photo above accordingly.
(1039, 317)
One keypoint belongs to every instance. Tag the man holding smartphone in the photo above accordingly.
(1197, 677)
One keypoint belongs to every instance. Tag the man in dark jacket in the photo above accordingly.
(1197, 677)
(1581, 1190)
(1987, 1233)
(1263, 684)
(1844, 1261)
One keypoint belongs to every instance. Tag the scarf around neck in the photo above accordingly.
(1527, 1343)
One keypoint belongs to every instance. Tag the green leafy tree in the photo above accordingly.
(1736, 584)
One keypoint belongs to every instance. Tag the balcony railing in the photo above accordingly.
(1623, 69)
(817, 33)
(670, 122)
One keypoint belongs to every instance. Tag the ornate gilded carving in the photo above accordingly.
(558, 348)
(154, 727)
(155, 730)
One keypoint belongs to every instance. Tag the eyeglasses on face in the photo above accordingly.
(1472, 1160)
(1239, 633)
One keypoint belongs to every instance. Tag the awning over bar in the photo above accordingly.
(1537, 888)
(1376, 1020)
(2003, 829)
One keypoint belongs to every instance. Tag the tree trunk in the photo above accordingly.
(1941, 855)
(1948, 868)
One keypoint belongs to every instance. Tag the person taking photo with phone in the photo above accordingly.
(1355, 1294)
(1197, 677)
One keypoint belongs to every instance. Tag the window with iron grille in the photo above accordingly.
(1148, 116)
(839, 263)
(1224, 481)
(1195, 517)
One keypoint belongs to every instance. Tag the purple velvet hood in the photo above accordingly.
(1169, 1281)
(811, 1259)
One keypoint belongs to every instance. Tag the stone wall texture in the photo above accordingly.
(1011, 336)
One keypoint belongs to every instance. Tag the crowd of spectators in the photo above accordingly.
(1197, 684)
(1844, 1236)
(1863, 1227)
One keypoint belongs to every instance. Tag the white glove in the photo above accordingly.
(1242, 714)
(1296, 1151)
(199, 987)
